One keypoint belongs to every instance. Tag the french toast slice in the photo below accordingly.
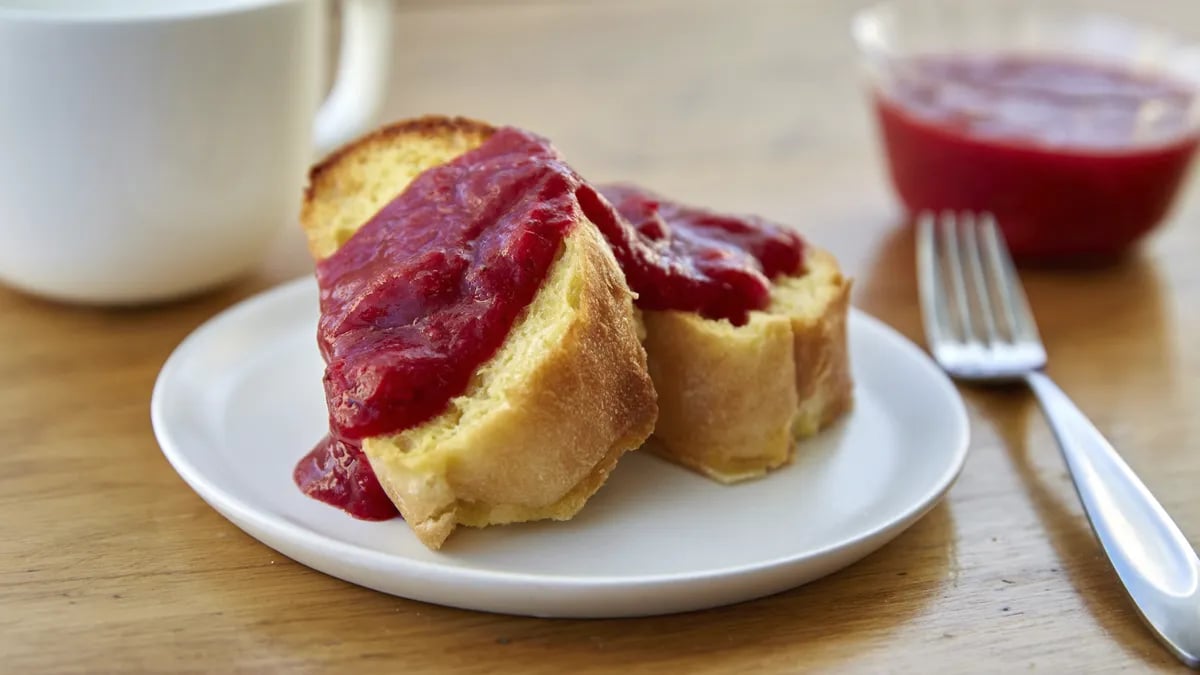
(733, 400)
(544, 420)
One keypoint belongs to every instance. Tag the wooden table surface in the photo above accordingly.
(108, 562)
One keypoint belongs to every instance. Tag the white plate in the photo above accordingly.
(240, 401)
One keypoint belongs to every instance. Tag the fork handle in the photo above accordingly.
(1151, 556)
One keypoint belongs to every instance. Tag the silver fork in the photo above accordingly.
(980, 329)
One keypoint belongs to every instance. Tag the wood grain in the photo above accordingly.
(109, 563)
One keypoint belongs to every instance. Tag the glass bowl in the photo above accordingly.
(1074, 127)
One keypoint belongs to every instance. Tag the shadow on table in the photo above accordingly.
(1066, 527)
(331, 622)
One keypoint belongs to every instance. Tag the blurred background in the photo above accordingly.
(760, 109)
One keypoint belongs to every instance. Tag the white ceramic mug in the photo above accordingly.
(151, 149)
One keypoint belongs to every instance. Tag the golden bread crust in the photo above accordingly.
(344, 190)
(544, 420)
(823, 380)
(734, 400)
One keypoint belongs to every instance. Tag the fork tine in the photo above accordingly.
(1011, 295)
(934, 311)
(973, 255)
(958, 283)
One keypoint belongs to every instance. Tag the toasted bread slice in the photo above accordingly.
(354, 183)
(733, 400)
(545, 419)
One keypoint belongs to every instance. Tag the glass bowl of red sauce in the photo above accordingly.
(1076, 128)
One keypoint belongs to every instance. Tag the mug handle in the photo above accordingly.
(358, 89)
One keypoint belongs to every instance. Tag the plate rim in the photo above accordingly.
(238, 511)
